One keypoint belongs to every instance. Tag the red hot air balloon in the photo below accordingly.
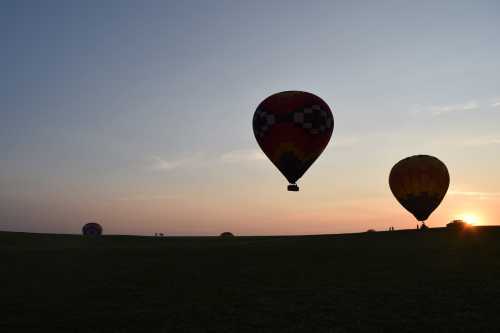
(419, 183)
(293, 128)
(92, 229)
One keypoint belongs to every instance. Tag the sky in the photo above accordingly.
(138, 114)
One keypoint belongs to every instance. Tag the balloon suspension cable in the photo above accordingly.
(293, 188)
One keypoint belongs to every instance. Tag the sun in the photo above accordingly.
(470, 218)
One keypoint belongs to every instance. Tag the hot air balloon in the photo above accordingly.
(293, 128)
(92, 229)
(419, 183)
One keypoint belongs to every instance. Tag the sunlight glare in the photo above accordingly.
(469, 218)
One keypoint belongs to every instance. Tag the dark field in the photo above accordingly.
(387, 281)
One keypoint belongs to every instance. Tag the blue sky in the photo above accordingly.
(138, 113)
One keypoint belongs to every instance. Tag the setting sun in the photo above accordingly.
(470, 218)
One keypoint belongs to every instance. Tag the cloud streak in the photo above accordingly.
(480, 195)
(483, 141)
(148, 197)
(346, 142)
(438, 110)
(160, 164)
(200, 160)
(242, 155)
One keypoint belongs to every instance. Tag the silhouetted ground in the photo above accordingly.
(377, 282)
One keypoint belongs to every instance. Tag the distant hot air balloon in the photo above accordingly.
(419, 183)
(92, 229)
(293, 128)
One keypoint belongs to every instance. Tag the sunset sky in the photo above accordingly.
(138, 114)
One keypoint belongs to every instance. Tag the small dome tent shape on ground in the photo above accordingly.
(226, 234)
(92, 229)
(458, 225)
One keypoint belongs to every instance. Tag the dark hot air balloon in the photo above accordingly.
(419, 183)
(92, 229)
(293, 128)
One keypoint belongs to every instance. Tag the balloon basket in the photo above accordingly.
(293, 188)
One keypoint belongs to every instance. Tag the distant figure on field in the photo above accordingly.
(226, 234)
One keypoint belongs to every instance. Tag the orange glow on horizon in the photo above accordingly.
(470, 218)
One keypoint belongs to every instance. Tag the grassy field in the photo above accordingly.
(376, 282)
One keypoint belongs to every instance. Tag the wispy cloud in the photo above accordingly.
(346, 142)
(470, 141)
(161, 164)
(242, 155)
(148, 197)
(438, 110)
(480, 195)
(483, 141)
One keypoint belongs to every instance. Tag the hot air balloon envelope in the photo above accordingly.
(293, 128)
(419, 183)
